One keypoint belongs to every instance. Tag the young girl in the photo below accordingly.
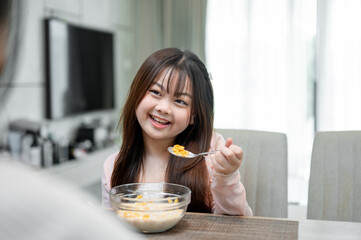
(171, 102)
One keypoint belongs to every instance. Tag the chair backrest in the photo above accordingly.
(334, 191)
(263, 170)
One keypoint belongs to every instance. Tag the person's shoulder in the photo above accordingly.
(217, 136)
(109, 161)
(217, 140)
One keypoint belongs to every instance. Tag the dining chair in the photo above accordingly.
(263, 170)
(334, 191)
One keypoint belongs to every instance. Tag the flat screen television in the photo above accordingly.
(79, 69)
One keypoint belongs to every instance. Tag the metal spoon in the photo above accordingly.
(190, 154)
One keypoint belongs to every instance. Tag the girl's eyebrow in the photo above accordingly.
(179, 93)
(159, 85)
(184, 94)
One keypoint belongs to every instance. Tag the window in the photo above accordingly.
(261, 55)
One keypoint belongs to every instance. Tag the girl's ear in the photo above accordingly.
(192, 120)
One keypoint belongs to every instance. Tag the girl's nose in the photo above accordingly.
(163, 107)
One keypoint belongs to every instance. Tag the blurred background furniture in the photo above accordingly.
(263, 170)
(335, 178)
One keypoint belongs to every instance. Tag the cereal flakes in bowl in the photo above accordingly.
(150, 207)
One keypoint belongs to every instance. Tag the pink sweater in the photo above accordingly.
(229, 194)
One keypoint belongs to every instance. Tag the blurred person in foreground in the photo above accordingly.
(37, 206)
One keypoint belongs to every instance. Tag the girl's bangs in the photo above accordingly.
(179, 75)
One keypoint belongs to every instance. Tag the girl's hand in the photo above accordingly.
(229, 159)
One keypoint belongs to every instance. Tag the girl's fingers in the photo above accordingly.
(227, 153)
(232, 156)
(238, 152)
(229, 158)
(220, 161)
(229, 142)
(232, 150)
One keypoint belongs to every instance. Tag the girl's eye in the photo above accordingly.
(179, 101)
(154, 92)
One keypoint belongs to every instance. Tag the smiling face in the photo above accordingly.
(165, 110)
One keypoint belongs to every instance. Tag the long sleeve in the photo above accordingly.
(108, 167)
(228, 192)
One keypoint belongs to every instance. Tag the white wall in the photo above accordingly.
(26, 98)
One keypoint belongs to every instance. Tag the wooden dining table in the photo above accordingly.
(212, 226)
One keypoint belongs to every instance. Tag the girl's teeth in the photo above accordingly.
(159, 120)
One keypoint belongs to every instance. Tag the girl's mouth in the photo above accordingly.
(159, 121)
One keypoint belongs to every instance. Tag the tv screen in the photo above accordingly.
(79, 69)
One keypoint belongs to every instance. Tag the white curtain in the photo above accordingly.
(169, 23)
(260, 56)
(184, 25)
(339, 65)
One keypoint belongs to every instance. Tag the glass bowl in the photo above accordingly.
(150, 207)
